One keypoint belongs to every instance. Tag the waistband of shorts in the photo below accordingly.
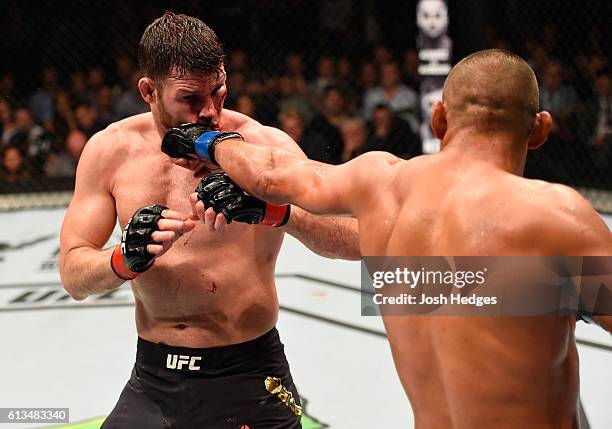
(204, 360)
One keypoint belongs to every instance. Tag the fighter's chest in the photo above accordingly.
(153, 181)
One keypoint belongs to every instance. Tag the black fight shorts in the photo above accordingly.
(240, 386)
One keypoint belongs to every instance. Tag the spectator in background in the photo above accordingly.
(238, 61)
(79, 92)
(236, 86)
(402, 101)
(560, 100)
(594, 122)
(295, 65)
(293, 97)
(335, 110)
(26, 132)
(328, 122)
(7, 122)
(602, 110)
(537, 57)
(314, 145)
(64, 119)
(347, 80)
(129, 102)
(354, 137)
(96, 79)
(582, 79)
(62, 161)
(267, 97)
(13, 168)
(41, 101)
(326, 76)
(382, 55)
(245, 104)
(368, 77)
(556, 97)
(392, 134)
(104, 107)
(345, 75)
(410, 69)
(86, 119)
(123, 69)
(7, 88)
(31, 139)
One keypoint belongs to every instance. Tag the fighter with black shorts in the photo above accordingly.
(245, 385)
(205, 301)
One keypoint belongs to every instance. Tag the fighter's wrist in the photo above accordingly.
(276, 215)
(206, 143)
(119, 266)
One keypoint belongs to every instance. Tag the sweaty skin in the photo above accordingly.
(205, 289)
(459, 372)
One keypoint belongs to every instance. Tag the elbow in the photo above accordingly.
(269, 187)
(70, 288)
(76, 296)
(72, 291)
(68, 284)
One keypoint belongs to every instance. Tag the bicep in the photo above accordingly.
(91, 215)
(342, 189)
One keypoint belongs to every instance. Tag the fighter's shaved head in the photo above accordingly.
(492, 90)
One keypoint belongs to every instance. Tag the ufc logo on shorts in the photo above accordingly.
(178, 361)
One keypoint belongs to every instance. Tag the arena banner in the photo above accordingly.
(435, 55)
(487, 286)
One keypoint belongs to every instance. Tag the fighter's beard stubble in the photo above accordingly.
(167, 122)
(165, 118)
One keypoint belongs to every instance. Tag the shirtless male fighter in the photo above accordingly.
(470, 199)
(208, 353)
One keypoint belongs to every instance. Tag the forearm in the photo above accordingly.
(332, 237)
(261, 171)
(87, 271)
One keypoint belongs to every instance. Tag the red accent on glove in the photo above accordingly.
(275, 215)
(119, 267)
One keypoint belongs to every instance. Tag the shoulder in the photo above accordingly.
(384, 166)
(108, 148)
(559, 220)
(236, 121)
(255, 132)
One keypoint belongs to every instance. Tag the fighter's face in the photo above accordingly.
(432, 17)
(191, 98)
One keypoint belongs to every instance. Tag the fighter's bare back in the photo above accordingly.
(467, 372)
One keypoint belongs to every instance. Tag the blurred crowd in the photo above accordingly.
(43, 133)
(334, 106)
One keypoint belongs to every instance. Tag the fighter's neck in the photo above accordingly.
(499, 149)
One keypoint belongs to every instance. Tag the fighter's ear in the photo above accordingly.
(438, 120)
(146, 86)
(541, 129)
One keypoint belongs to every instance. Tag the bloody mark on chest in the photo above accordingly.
(213, 289)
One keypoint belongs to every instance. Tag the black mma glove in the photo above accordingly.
(194, 140)
(224, 196)
(131, 257)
